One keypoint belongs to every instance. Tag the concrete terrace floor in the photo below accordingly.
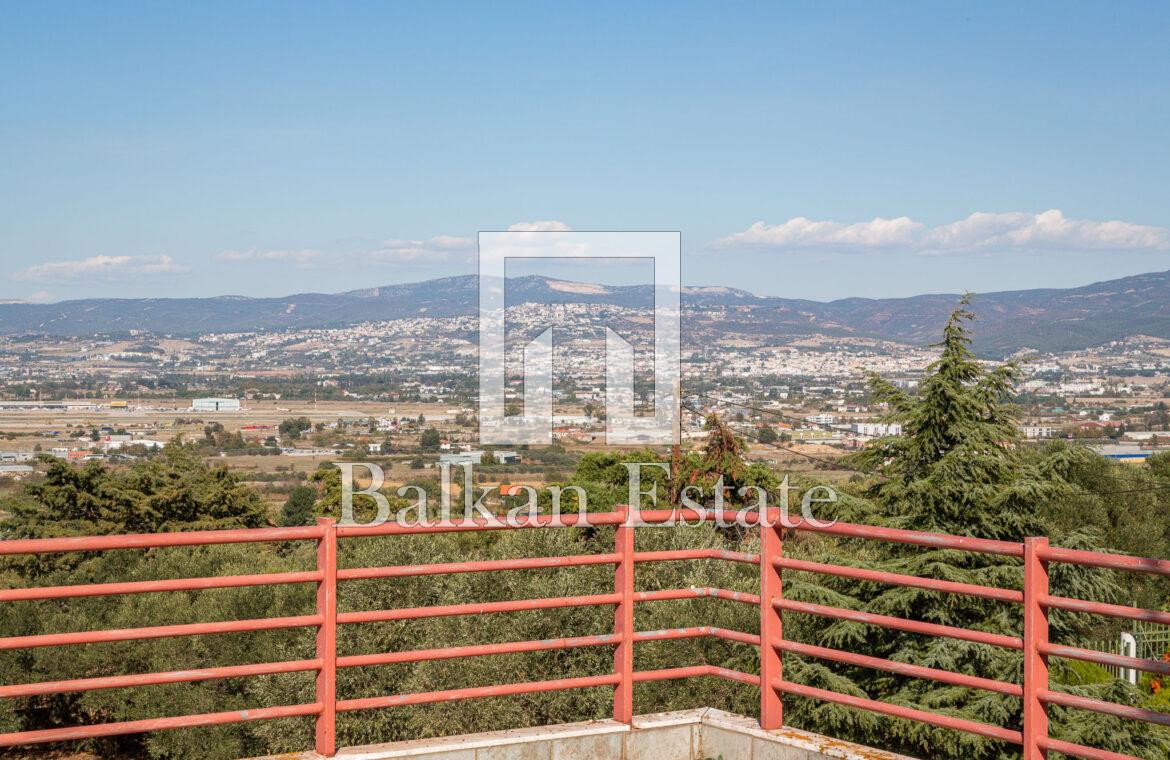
(701, 734)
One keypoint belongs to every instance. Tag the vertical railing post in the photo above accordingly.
(326, 693)
(623, 620)
(1035, 661)
(771, 629)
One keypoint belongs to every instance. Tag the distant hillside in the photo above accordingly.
(1047, 320)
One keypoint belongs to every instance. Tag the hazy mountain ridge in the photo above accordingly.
(1045, 319)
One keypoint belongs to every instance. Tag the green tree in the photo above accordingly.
(176, 491)
(291, 428)
(173, 492)
(430, 439)
(1160, 417)
(298, 508)
(958, 470)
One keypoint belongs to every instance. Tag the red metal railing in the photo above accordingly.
(1034, 692)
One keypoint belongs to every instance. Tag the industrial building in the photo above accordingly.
(476, 457)
(215, 405)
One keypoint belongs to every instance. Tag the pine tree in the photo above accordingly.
(298, 509)
(957, 469)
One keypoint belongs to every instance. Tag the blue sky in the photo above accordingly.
(268, 148)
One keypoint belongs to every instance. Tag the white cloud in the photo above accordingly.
(440, 249)
(100, 267)
(548, 226)
(980, 232)
(303, 257)
(802, 233)
(443, 248)
(1047, 230)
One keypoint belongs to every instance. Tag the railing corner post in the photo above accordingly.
(771, 627)
(326, 690)
(623, 623)
(1035, 660)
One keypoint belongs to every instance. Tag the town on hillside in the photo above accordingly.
(276, 404)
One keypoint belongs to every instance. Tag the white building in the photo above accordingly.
(1038, 431)
(466, 457)
(215, 405)
(116, 442)
(876, 429)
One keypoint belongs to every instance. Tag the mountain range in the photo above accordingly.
(1009, 321)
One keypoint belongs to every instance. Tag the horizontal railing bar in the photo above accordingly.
(1105, 708)
(1079, 750)
(898, 711)
(1109, 561)
(143, 587)
(902, 668)
(1069, 604)
(668, 634)
(917, 538)
(476, 692)
(897, 579)
(693, 516)
(696, 592)
(902, 624)
(734, 675)
(674, 555)
(1105, 658)
(668, 674)
(672, 634)
(313, 532)
(476, 650)
(154, 540)
(730, 635)
(648, 517)
(477, 608)
(156, 724)
(157, 632)
(479, 523)
(150, 679)
(853, 530)
(479, 566)
(693, 671)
